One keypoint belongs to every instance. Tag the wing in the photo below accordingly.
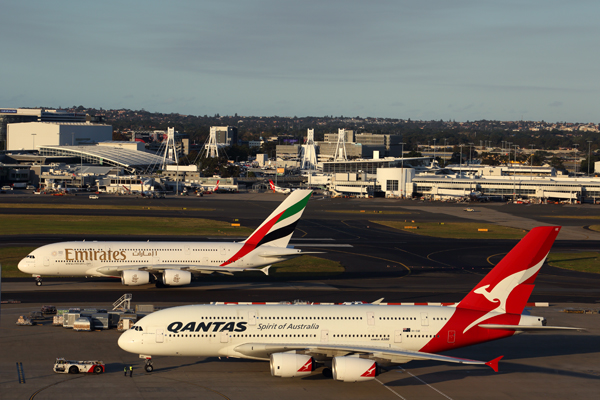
(526, 328)
(263, 351)
(194, 269)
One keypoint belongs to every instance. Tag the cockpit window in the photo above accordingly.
(137, 328)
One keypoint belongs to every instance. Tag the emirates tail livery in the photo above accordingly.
(357, 338)
(173, 263)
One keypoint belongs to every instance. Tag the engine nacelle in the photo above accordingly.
(289, 365)
(354, 369)
(135, 277)
(176, 277)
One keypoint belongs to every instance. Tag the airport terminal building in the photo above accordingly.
(25, 128)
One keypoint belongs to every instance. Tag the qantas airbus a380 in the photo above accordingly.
(173, 263)
(357, 339)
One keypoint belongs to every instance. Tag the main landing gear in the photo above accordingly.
(38, 281)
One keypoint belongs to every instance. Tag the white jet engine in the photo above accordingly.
(354, 369)
(176, 277)
(135, 277)
(290, 365)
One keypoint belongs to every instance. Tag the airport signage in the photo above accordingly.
(7, 111)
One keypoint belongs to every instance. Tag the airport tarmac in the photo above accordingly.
(379, 262)
(552, 365)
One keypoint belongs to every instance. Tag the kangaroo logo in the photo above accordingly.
(371, 371)
(306, 367)
(500, 293)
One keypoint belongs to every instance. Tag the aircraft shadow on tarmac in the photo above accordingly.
(528, 347)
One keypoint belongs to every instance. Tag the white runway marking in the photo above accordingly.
(390, 389)
(422, 381)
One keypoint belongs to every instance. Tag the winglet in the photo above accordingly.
(494, 363)
(378, 301)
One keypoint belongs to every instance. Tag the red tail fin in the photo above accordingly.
(507, 287)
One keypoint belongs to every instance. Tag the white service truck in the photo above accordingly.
(63, 366)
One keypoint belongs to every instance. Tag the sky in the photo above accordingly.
(456, 60)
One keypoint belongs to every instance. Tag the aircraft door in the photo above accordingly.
(46, 261)
(370, 318)
(424, 319)
(225, 337)
(324, 336)
(223, 250)
(160, 335)
(187, 250)
(252, 318)
(397, 336)
(451, 336)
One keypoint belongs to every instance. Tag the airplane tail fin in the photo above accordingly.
(272, 186)
(278, 228)
(216, 186)
(506, 288)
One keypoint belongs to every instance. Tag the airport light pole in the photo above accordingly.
(589, 155)
(461, 150)
(531, 161)
(445, 150)
(433, 150)
(33, 139)
(575, 158)
(471, 153)
(402, 173)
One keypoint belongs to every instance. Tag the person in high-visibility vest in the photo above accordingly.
(125, 371)
(130, 371)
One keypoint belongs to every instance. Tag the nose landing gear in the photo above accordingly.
(148, 367)
(38, 281)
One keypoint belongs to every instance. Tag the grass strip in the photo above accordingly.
(96, 206)
(306, 267)
(110, 225)
(369, 212)
(582, 262)
(455, 230)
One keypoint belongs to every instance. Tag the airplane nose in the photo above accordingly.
(127, 342)
(24, 266)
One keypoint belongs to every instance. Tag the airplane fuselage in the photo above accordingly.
(239, 330)
(107, 258)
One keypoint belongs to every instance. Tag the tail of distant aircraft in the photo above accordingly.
(216, 186)
(278, 228)
(272, 186)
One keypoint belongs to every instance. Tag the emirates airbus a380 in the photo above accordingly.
(173, 263)
(356, 339)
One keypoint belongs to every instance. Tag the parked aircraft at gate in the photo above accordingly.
(173, 263)
(278, 189)
(356, 338)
